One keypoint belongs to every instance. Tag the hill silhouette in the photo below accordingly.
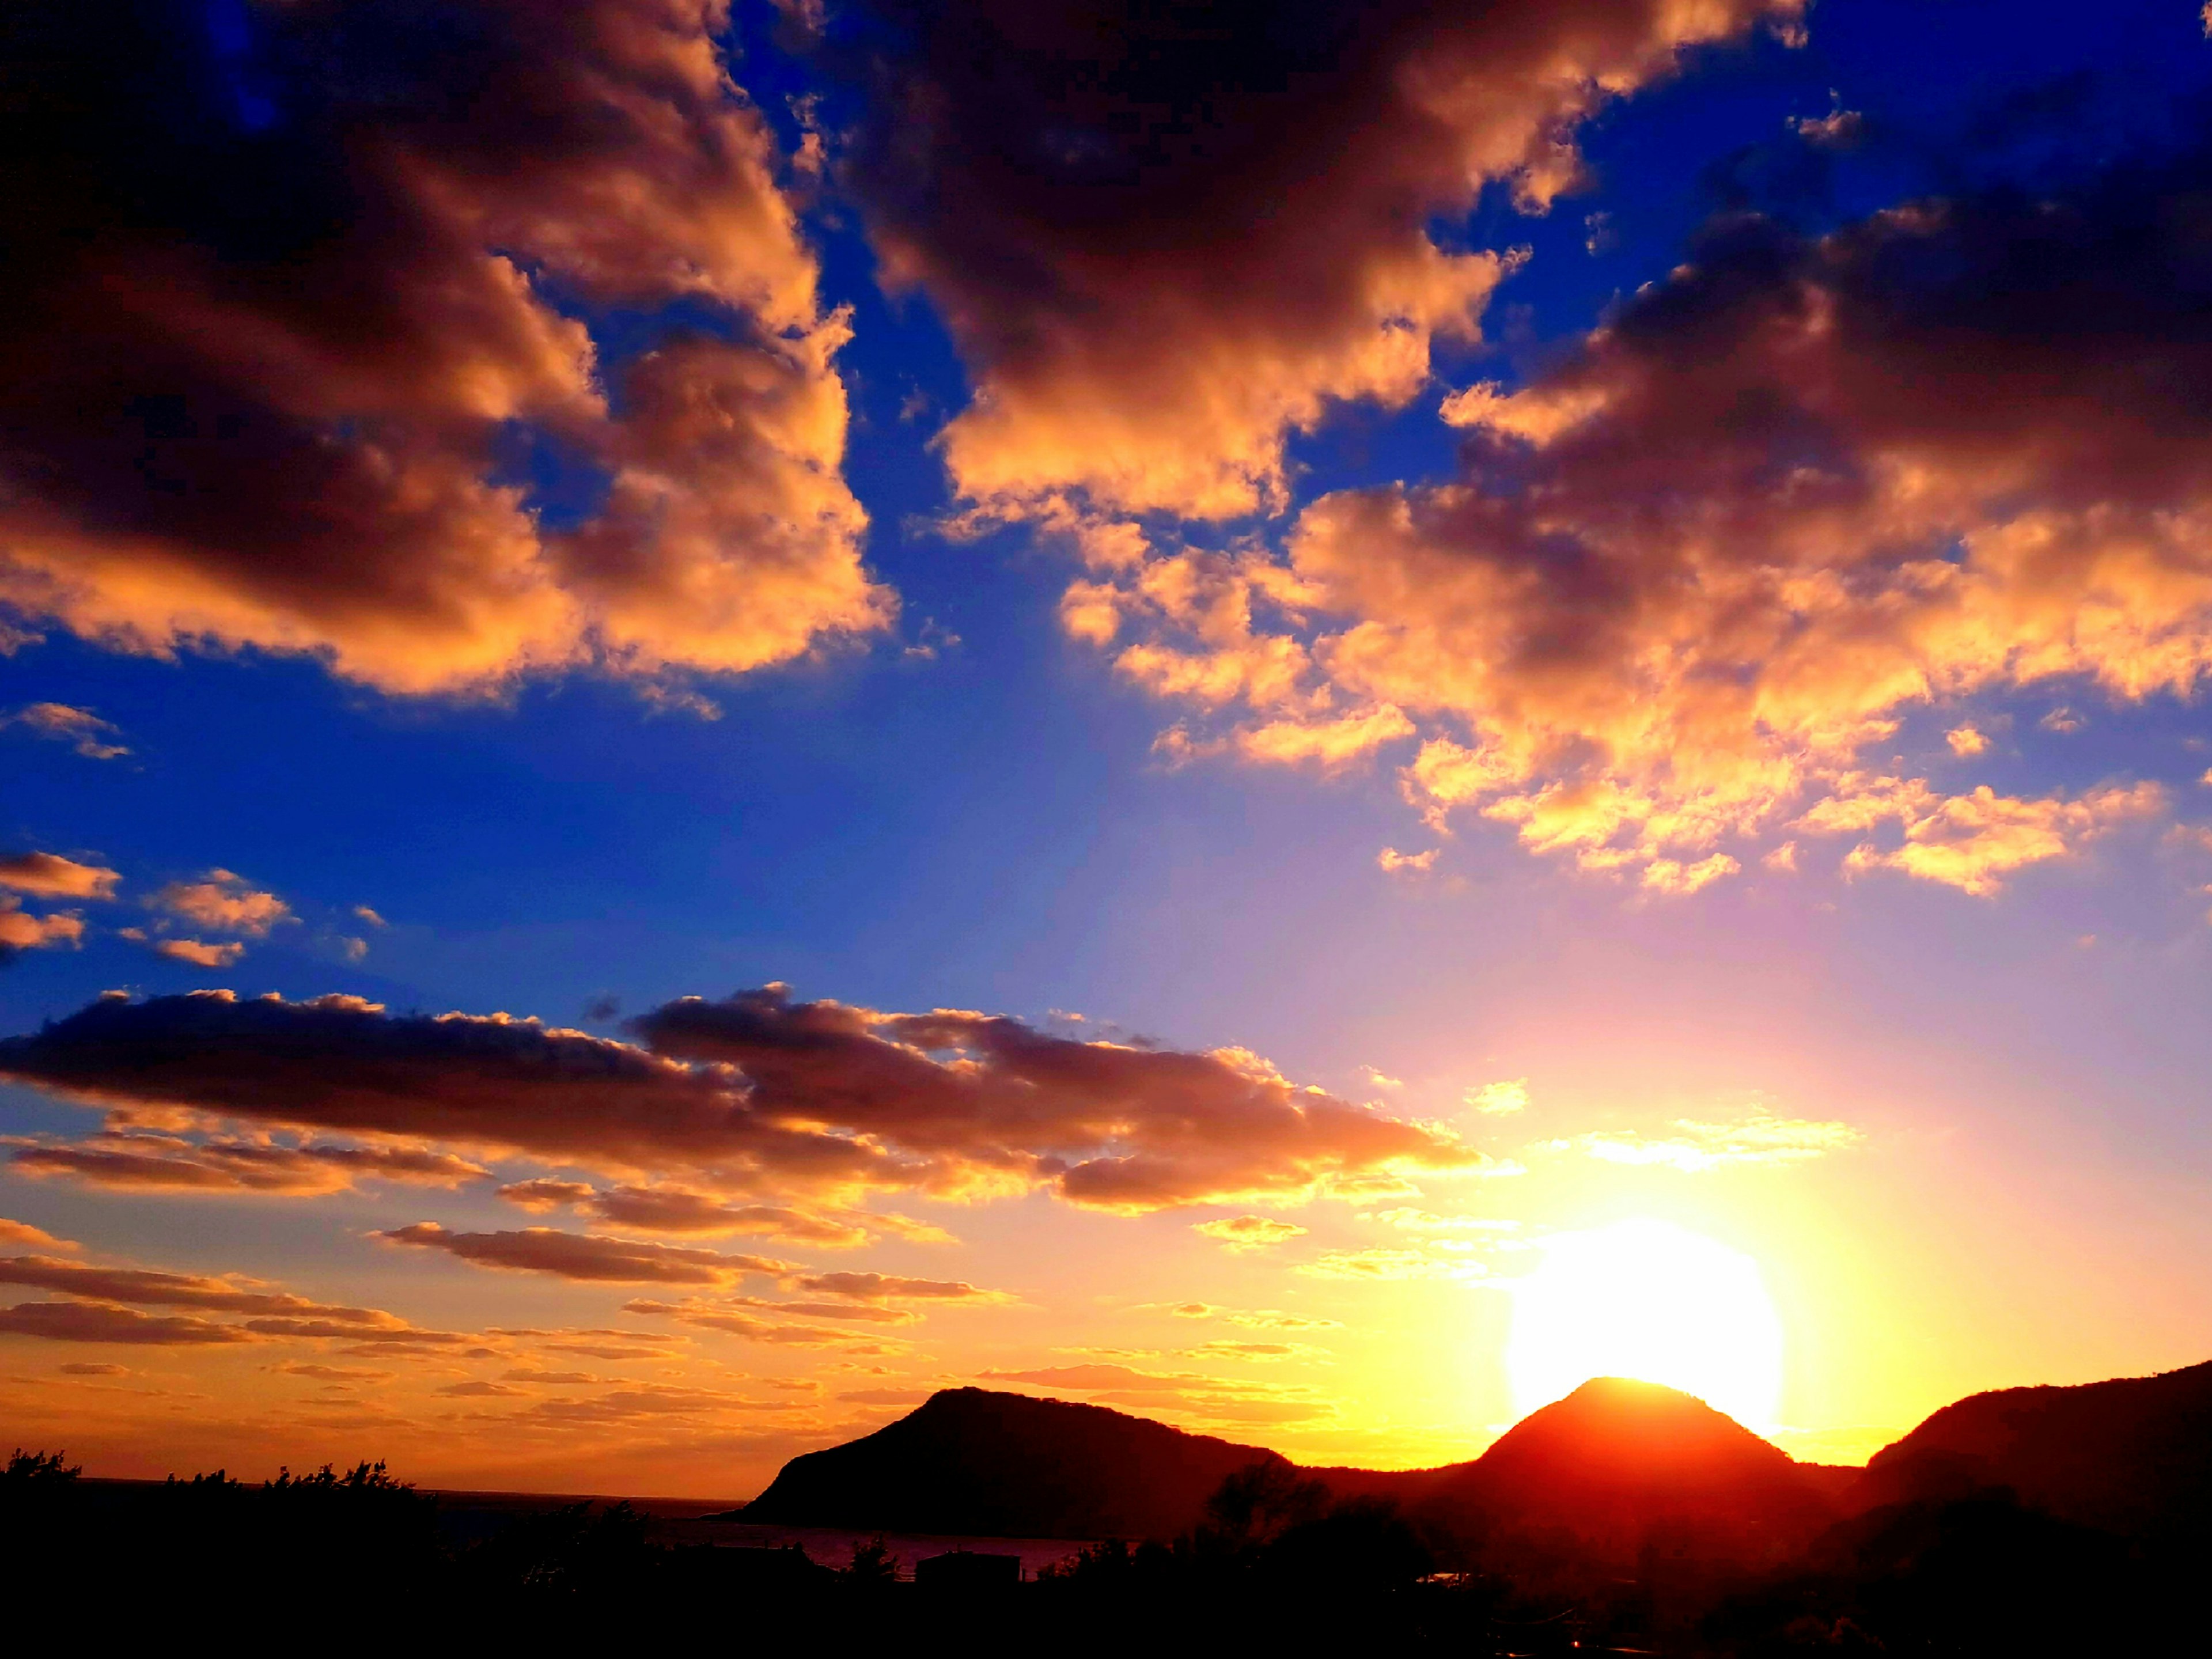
(2132, 1456)
(976, 1462)
(1601, 1468)
(1620, 1466)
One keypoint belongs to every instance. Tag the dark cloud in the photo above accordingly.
(138, 1159)
(1162, 236)
(589, 1256)
(150, 1287)
(94, 1321)
(1801, 487)
(756, 1089)
(665, 1209)
(290, 306)
(989, 1104)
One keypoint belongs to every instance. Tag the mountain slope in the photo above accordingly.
(971, 1461)
(2131, 1456)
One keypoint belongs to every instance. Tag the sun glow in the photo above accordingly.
(1650, 1300)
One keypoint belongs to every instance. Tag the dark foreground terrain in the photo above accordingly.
(1626, 1518)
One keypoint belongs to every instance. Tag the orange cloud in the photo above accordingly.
(589, 1256)
(732, 1320)
(150, 1287)
(50, 876)
(198, 953)
(1972, 842)
(128, 1159)
(22, 931)
(1153, 278)
(24, 1234)
(1785, 498)
(882, 1287)
(93, 1321)
(668, 1209)
(223, 902)
(302, 435)
(1248, 1232)
(1385, 1263)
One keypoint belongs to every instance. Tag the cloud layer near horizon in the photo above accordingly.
(755, 1093)
(1780, 499)
(291, 316)
(1162, 241)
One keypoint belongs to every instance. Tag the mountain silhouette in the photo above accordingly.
(1618, 1467)
(976, 1461)
(1602, 1467)
(2132, 1456)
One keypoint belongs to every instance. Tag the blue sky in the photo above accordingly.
(969, 808)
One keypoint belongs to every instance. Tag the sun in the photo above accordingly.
(1646, 1300)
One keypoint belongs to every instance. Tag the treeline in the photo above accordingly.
(360, 1559)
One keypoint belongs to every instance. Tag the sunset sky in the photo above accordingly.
(712, 717)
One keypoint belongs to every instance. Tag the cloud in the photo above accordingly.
(867, 1313)
(1186, 1393)
(1972, 842)
(22, 931)
(1499, 1099)
(93, 1367)
(123, 1160)
(1095, 1375)
(1760, 1138)
(1779, 502)
(665, 1209)
(1261, 1350)
(1393, 862)
(1248, 1232)
(1966, 742)
(301, 428)
(1107, 1125)
(1159, 253)
(198, 953)
(754, 1090)
(50, 876)
(331, 1373)
(93, 1322)
(1273, 1319)
(1425, 1221)
(148, 1287)
(223, 902)
(24, 1234)
(733, 1321)
(592, 1257)
(80, 727)
(1389, 1264)
(887, 1287)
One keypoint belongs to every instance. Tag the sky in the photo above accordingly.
(711, 717)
